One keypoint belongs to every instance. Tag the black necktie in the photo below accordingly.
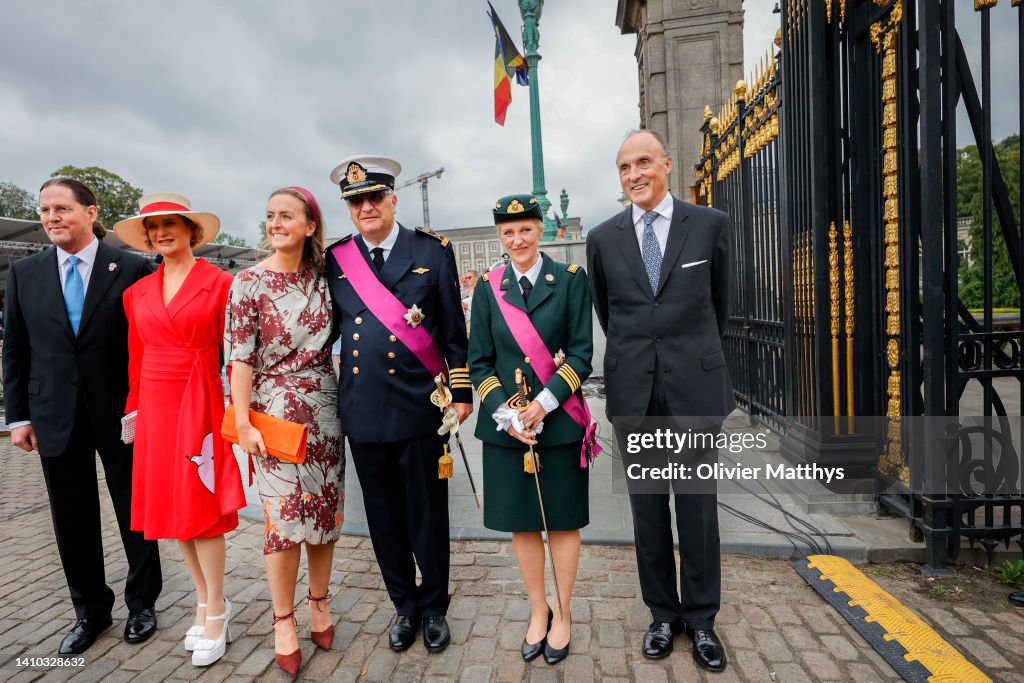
(378, 258)
(527, 286)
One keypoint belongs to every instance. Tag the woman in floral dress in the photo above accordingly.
(279, 332)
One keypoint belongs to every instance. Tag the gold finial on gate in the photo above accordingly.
(985, 4)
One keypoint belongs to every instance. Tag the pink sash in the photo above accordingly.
(389, 310)
(543, 364)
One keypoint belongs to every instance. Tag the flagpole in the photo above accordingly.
(531, 10)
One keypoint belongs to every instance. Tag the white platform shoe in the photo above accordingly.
(195, 633)
(206, 651)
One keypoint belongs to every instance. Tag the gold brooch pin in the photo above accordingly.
(414, 316)
(421, 271)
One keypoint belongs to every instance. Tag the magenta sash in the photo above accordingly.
(534, 348)
(388, 310)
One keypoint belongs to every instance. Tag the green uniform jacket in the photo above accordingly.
(560, 310)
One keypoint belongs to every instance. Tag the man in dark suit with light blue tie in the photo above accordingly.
(660, 274)
(65, 361)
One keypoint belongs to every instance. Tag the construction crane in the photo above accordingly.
(422, 180)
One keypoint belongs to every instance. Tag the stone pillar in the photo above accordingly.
(689, 54)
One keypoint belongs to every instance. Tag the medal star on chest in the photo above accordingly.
(414, 316)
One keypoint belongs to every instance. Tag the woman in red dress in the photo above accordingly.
(186, 483)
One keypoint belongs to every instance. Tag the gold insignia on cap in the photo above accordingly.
(515, 206)
(421, 271)
(498, 206)
(356, 173)
(549, 277)
(533, 200)
(414, 316)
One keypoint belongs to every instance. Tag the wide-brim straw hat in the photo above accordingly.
(132, 232)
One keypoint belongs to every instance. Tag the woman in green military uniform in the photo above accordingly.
(556, 300)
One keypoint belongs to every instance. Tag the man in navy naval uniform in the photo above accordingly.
(385, 386)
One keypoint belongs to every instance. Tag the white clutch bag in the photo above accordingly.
(128, 427)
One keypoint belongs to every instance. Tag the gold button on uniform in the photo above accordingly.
(527, 359)
(393, 338)
(391, 354)
(355, 337)
(359, 320)
(391, 371)
(355, 371)
(355, 354)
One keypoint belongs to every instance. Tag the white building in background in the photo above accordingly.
(478, 248)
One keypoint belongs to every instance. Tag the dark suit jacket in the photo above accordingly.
(46, 366)
(383, 389)
(680, 328)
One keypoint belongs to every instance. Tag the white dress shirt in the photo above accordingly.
(660, 225)
(87, 257)
(387, 245)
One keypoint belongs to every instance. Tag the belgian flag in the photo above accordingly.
(508, 63)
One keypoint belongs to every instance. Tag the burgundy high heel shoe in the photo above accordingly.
(325, 638)
(290, 663)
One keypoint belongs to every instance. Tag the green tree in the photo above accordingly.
(229, 239)
(1005, 292)
(264, 242)
(17, 202)
(117, 198)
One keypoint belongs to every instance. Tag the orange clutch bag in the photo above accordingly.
(284, 440)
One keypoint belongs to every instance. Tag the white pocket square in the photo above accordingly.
(695, 263)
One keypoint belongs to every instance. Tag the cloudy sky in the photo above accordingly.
(225, 101)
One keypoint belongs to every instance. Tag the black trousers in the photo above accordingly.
(407, 512)
(73, 488)
(700, 578)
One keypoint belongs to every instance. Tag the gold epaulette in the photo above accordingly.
(487, 386)
(572, 268)
(344, 239)
(430, 233)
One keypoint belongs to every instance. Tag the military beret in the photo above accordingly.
(516, 207)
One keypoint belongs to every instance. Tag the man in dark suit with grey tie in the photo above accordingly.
(65, 361)
(660, 274)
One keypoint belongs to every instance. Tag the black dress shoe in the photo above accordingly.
(531, 652)
(83, 634)
(708, 651)
(553, 656)
(658, 639)
(403, 633)
(436, 635)
(140, 626)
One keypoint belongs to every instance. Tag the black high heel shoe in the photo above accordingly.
(554, 656)
(531, 652)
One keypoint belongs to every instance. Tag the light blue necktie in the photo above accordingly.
(74, 293)
(650, 250)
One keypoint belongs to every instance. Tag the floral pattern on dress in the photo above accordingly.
(280, 323)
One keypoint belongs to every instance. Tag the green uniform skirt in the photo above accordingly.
(510, 494)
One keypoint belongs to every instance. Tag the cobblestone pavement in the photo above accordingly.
(774, 625)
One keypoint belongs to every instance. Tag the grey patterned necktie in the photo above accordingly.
(650, 251)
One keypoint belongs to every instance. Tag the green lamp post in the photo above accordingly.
(530, 10)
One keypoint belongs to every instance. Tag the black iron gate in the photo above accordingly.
(839, 165)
